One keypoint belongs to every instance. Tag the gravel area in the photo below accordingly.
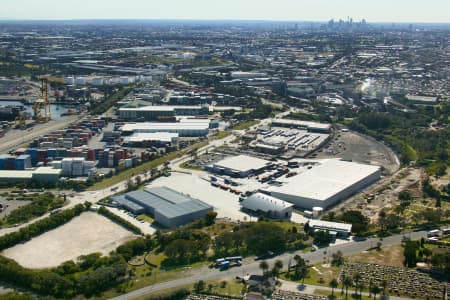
(83, 235)
(362, 149)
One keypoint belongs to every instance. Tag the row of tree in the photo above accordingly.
(258, 238)
(40, 205)
(90, 275)
(115, 218)
(26, 233)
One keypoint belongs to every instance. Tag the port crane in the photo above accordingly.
(41, 107)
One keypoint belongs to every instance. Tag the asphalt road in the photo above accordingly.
(252, 267)
(17, 137)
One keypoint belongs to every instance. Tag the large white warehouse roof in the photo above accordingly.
(265, 203)
(201, 125)
(326, 179)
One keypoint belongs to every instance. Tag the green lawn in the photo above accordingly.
(314, 277)
(186, 165)
(146, 218)
(245, 125)
(338, 295)
(230, 287)
(220, 135)
(124, 175)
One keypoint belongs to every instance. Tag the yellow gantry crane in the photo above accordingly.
(41, 107)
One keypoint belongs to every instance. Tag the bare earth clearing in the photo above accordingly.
(83, 235)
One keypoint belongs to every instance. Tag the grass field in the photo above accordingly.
(319, 274)
(124, 175)
(220, 135)
(230, 287)
(245, 125)
(186, 165)
(337, 294)
(389, 255)
(146, 218)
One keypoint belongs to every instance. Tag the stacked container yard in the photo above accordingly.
(33, 154)
(66, 166)
(77, 166)
(42, 155)
(22, 162)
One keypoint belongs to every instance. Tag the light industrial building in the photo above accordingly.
(334, 228)
(184, 128)
(168, 207)
(152, 138)
(247, 75)
(278, 140)
(239, 166)
(40, 175)
(267, 205)
(326, 183)
(306, 125)
(161, 112)
(170, 112)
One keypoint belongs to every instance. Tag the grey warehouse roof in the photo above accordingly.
(125, 202)
(166, 201)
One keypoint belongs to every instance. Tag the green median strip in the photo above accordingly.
(147, 166)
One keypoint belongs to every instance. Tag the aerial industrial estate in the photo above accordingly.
(224, 160)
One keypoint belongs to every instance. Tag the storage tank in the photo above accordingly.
(317, 210)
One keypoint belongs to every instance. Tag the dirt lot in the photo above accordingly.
(389, 256)
(360, 149)
(85, 234)
(384, 193)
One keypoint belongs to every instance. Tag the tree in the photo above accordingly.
(138, 180)
(306, 228)
(199, 286)
(388, 221)
(337, 259)
(277, 267)
(210, 217)
(322, 238)
(224, 242)
(333, 284)
(384, 284)
(375, 290)
(264, 266)
(130, 185)
(357, 278)
(360, 223)
(301, 269)
(346, 283)
(404, 196)
(410, 253)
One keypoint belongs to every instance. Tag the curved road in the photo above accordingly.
(252, 267)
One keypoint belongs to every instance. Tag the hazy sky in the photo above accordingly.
(297, 10)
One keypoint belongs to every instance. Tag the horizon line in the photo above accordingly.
(2, 19)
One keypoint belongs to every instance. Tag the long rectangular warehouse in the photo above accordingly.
(326, 183)
(156, 112)
(184, 128)
(168, 207)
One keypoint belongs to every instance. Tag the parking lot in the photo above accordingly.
(360, 149)
(9, 205)
(206, 159)
(88, 233)
(225, 203)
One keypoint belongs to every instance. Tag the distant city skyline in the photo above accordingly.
(432, 11)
